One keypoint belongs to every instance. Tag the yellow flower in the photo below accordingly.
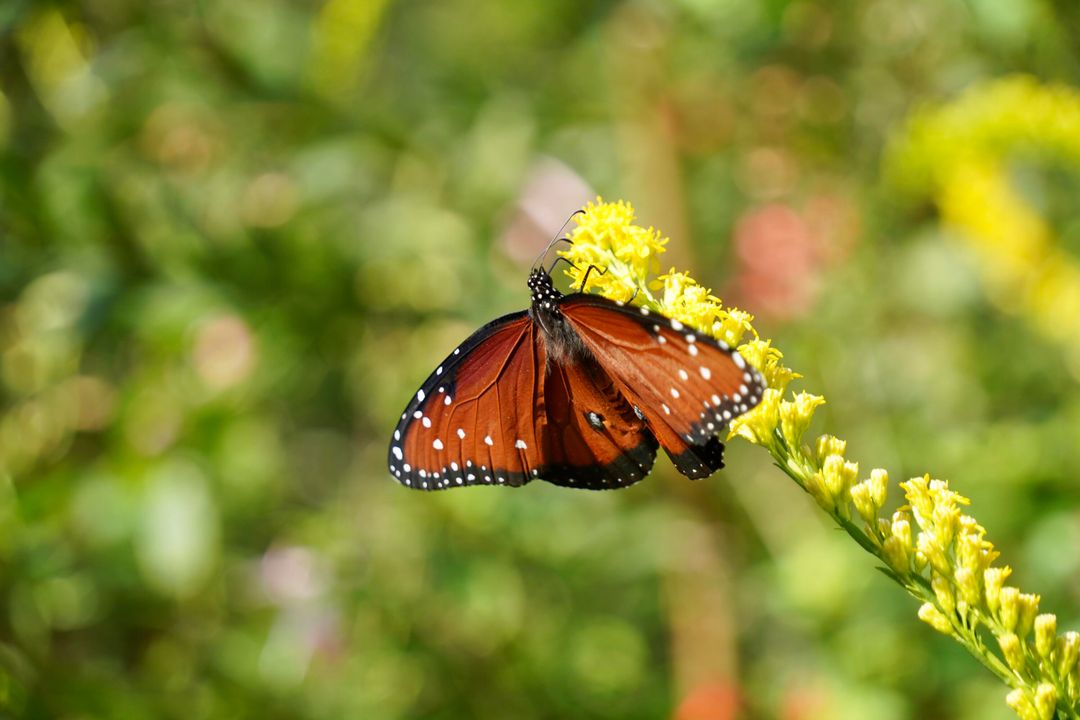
(759, 425)
(935, 551)
(1045, 634)
(620, 252)
(762, 355)
(959, 154)
(935, 618)
(795, 416)
(1020, 701)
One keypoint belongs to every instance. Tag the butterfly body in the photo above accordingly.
(579, 391)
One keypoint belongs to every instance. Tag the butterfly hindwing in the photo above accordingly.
(688, 385)
(595, 440)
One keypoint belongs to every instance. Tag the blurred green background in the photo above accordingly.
(236, 235)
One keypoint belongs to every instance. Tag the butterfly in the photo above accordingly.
(578, 390)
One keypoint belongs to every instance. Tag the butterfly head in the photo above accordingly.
(545, 298)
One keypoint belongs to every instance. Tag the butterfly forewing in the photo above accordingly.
(473, 421)
(688, 385)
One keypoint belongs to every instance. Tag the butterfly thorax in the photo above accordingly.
(562, 343)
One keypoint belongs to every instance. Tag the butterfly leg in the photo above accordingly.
(586, 278)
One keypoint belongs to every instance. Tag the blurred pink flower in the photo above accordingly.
(782, 253)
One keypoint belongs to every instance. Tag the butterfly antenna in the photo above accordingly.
(558, 238)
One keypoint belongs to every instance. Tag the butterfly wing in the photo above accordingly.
(498, 411)
(686, 385)
(473, 421)
(595, 440)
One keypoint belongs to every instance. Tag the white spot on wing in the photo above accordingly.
(418, 414)
(461, 433)
(397, 453)
(520, 445)
(437, 444)
(397, 434)
(705, 372)
(420, 395)
(738, 360)
(692, 349)
(488, 440)
(447, 400)
(674, 393)
(667, 410)
(426, 421)
(683, 375)
(676, 325)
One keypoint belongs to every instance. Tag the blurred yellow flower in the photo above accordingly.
(958, 154)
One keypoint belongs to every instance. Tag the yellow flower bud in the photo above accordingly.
(839, 476)
(967, 583)
(795, 416)
(969, 551)
(1067, 650)
(827, 445)
(945, 520)
(932, 550)
(933, 617)
(901, 526)
(944, 593)
(1013, 650)
(1029, 608)
(916, 490)
(1010, 607)
(1045, 634)
(818, 490)
(1021, 703)
(897, 554)
(993, 579)
(879, 487)
(1046, 697)
(863, 499)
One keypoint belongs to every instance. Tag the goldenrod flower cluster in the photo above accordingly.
(959, 155)
(934, 549)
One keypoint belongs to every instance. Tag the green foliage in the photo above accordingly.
(234, 236)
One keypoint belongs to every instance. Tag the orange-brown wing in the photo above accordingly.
(687, 385)
(474, 420)
(595, 440)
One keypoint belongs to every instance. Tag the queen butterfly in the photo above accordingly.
(577, 390)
